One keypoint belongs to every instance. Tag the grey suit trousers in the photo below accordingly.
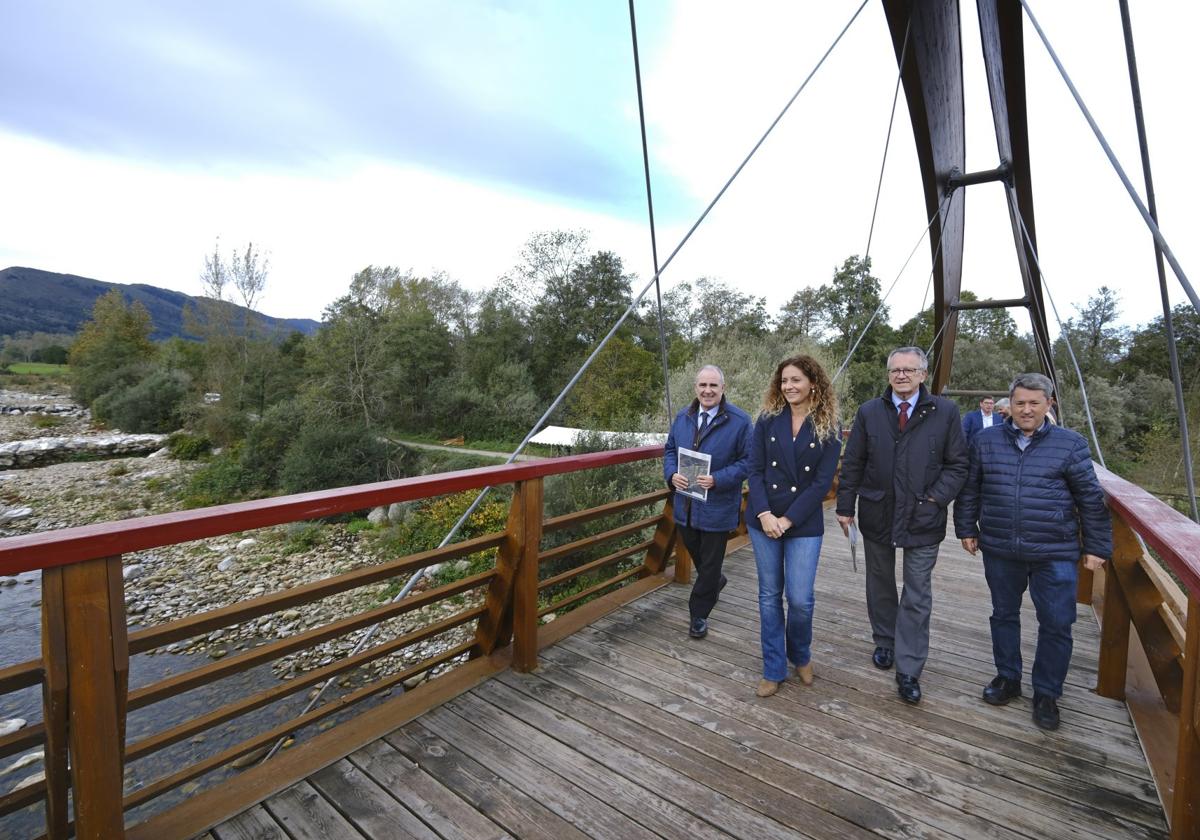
(901, 623)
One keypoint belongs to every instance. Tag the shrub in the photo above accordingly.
(152, 404)
(221, 480)
(330, 455)
(267, 442)
(46, 421)
(185, 446)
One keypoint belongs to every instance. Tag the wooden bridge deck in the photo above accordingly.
(629, 729)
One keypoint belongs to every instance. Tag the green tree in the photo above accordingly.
(702, 310)
(621, 386)
(1096, 336)
(116, 338)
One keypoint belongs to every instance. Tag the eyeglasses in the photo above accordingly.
(905, 371)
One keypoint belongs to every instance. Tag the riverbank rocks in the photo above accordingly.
(40, 452)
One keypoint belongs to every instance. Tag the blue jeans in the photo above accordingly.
(785, 567)
(1051, 585)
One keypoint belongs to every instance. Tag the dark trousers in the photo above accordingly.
(1051, 585)
(708, 553)
(901, 623)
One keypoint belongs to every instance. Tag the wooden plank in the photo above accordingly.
(205, 674)
(94, 708)
(557, 523)
(881, 754)
(492, 796)
(252, 824)
(734, 744)
(664, 541)
(46, 549)
(1185, 810)
(22, 675)
(1114, 640)
(593, 565)
(203, 810)
(919, 731)
(525, 579)
(495, 625)
(188, 728)
(55, 705)
(574, 804)
(604, 777)
(958, 699)
(437, 805)
(592, 540)
(306, 815)
(371, 809)
(555, 606)
(739, 804)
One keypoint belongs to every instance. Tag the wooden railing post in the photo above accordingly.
(522, 537)
(665, 539)
(1185, 810)
(1114, 639)
(54, 702)
(525, 582)
(92, 615)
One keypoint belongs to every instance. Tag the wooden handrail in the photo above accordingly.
(81, 566)
(1137, 595)
(48, 549)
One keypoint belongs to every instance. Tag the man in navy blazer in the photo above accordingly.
(982, 418)
(718, 428)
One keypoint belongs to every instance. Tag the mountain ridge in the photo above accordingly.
(33, 300)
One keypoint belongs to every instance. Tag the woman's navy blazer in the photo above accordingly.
(790, 478)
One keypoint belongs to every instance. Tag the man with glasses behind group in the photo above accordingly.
(905, 461)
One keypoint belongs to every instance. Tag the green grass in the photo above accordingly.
(38, 368)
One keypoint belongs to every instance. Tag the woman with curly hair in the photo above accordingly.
(793, 457)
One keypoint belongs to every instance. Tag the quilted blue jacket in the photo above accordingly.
(1041, 504)
(727, 440)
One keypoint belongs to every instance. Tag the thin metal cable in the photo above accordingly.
(1112, 158)
(662, 332)
(887, 142)
(945, 323)
(1168, 322)
(416, 576)
(883, 301)
(1066, 336)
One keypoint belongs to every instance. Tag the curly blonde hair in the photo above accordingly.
(824, 411)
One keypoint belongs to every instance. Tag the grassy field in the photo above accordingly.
(37, 368)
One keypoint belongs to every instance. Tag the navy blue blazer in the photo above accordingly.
(790, 478)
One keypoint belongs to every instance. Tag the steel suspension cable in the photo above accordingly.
(1063, 331)
(1112, 158)
(846, 362)
(662, 332)
(454, 529)
(888, 140)
(1168, 321)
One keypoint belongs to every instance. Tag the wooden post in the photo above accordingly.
(665, 539)
(683, 563)
(1114, 639)
(525, 582)
(1185, 810)
(97, 673)
(1083, 590)
(54, 702)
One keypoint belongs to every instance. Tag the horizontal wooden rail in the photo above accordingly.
(591, 590)
(32, 735)
(606, 560)
(161, 740)
(568, 520)
(21, 675)
(596, 539)
(48, 549)
(205, 622)
(205, 674)
(263, 739)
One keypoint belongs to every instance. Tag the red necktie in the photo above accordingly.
(903, 415)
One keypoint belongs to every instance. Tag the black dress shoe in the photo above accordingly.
(721, 585)
(698, 628)
(1000, 690)
(1045, 711)
(883, 658)
(908, 688)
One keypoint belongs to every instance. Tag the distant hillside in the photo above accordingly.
(32, 300)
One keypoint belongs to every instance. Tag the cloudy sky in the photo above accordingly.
(438, 136)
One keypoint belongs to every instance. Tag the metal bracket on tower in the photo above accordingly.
(957, 179)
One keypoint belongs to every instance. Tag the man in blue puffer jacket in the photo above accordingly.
(1031, 496)
(716, 427)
